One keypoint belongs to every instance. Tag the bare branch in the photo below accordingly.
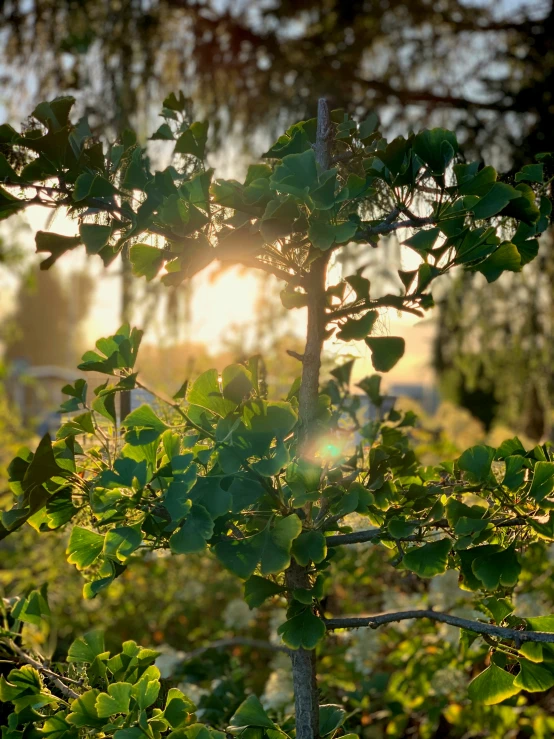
(388, 301)
(359, 537)
(295, 355)
(477, 627)
(51, 676)
(386, 228)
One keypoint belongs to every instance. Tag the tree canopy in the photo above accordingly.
(267, 485)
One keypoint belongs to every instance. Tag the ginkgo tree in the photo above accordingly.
(267, 485)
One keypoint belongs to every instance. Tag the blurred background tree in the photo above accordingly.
(46, 323)
(483, 68)
(486, 66)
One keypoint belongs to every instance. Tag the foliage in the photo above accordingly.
(267, 485)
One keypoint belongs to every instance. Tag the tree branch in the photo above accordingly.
(55, 679)
(388, 301)
(476, 627)
(386, 228)
(359, 537)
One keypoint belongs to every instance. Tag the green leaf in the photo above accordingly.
(83, 711)
(197, 528)
(274, 418)
(524, 208)
(33, 609)
(310, 546)
(94, 236)
(492, 686)
(172, 102)
(276, 544)
(121, 542)
(368, 126)
(532, 651)
(21, 683)
(496, 199)
(296, 173)
(164, 133)
(478, 184)
(504, 259)
(269, 548)
(56, 727)
(541, 623)
(278, 219)
(84, 547)
(476, 462)
(251, 713)
(146, 260)
(430, 559)
(143, 426)
(87, 647)
(303, 629)
(147, 689)
(55, 114)
(240, 556)
(394, 156)
(385, 351)
(89, 185)
(496, 569)
(398, 528)
(116, 700)
(357, 329)
(258, 589)
(530, 173)
(543, 481)
(193, 140)
(272, 463)
(324, 235)
(372, 388)
(205, 392)
(424, 240)
(499, 607)
(177, 708)
(544, 529)
(533, 678)
(514, 476)
(236, 383)
(331, 717)
(360, 285)
(436, 147)
(295, 143)
(343, 373)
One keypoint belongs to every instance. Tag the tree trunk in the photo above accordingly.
(126, 317)
(304, 666)
(304, 661)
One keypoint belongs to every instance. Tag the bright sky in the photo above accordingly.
(230, 299)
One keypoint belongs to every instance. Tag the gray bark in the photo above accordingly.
(304, 667)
